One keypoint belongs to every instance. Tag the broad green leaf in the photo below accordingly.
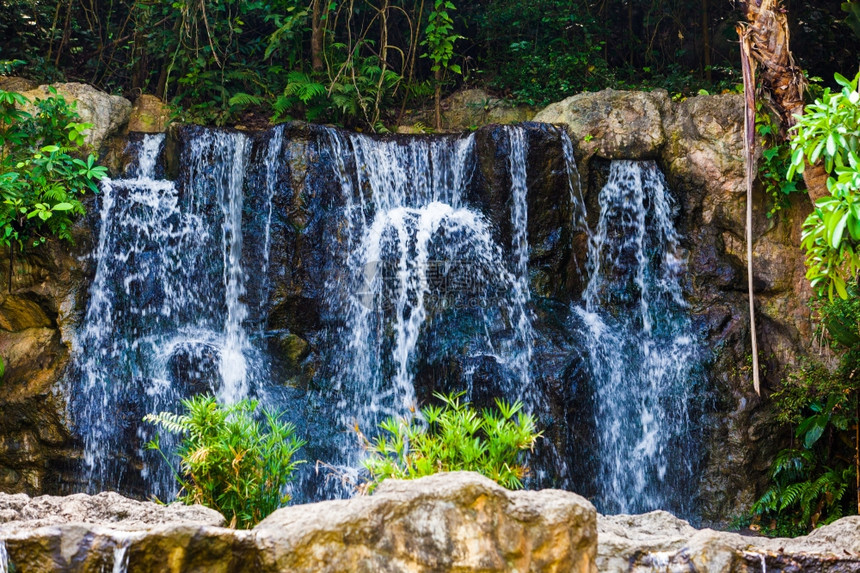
(842, 80)
(838, 228)
(831, 145)
(840, 287)
(813, 434)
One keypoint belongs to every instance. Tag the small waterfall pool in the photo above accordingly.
(342, 278)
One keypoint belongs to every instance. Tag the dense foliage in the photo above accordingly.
(44, 169)
(360, 63)
(454, 437)
(813, 482)
(229, 460)
(829, 131)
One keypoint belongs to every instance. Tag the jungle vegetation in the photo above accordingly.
(361, 63)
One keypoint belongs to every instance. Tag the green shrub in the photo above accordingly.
(453, 437)
(829, 131)
(775, 160)
(812, 481)
(228, 460)
(44, 169)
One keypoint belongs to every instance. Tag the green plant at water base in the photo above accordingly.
(229, 460)
(453, 437)
(829, 131)
(813, 481)
(44, 169)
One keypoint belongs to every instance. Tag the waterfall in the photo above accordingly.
(4, 557)
(273, 157)
(120, 556)
(641, 350)
(418, 254)
(412, 262)
(166, 308)
(519, 223)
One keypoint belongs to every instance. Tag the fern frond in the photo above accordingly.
(793, 493)
(175, 423)
(243, 99)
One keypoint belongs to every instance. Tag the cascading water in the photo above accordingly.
(418, 253)
(640, 347)
(165, 307)
(4, 557)
(422, 286)
(120, 556)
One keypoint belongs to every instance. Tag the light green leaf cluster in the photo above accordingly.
(230, 460)
(453, 437)
(440, 37)
(829, 131)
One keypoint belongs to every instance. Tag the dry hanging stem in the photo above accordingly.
(764, 43)
(748, 69)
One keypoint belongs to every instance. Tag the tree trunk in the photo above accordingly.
(765, 43)
(706, 41)
(768, 36)
(317, 36)
(438, 99)
(767, 32)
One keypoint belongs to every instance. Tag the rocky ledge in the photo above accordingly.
(449, 522)
(459, 522)
(658, 541)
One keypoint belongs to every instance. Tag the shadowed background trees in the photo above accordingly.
(359, 62)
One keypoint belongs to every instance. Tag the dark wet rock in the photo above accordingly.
(698, 145)
(40, 310)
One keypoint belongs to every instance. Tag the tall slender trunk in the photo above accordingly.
(706, 41)
(383, 60)
(438, 98)
(630, 29)
(161, 86)
(317, 36)
(764, 41)
(67, 32)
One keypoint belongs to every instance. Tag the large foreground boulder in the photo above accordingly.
(459, 522)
